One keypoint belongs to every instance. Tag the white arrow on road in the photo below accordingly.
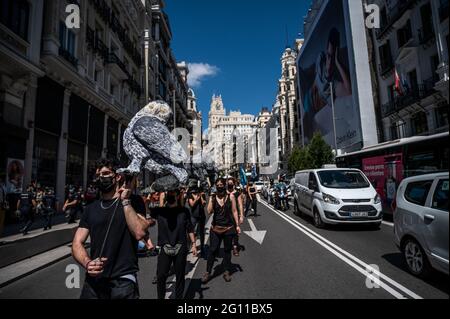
(257, 235)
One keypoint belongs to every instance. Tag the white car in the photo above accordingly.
(337, 196)
(421, 223)
(259, 186)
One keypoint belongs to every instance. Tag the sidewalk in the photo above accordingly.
(16, 247)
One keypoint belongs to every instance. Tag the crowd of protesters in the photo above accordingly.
(119, 222)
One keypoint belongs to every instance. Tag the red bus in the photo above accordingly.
(387, 164)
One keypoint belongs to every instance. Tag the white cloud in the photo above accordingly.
(199, 71)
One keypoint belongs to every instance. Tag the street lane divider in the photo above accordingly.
(348, 258)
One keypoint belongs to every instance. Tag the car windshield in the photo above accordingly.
(342, 179)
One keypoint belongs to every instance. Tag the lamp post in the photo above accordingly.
(334, 118)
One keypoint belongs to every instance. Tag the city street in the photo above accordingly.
(294, 260)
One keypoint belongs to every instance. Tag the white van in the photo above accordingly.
(337, 196)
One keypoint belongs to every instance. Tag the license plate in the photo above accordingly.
(359, 214)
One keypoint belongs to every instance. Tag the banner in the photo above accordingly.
(15, 171)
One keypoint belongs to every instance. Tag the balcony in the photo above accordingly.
(68, 56)
(395, 14)
(117, 66)
(411, 97)
(443, 11)
(426, 35)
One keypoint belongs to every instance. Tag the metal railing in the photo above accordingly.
(411, 96)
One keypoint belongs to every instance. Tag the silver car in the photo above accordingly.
(421, 223)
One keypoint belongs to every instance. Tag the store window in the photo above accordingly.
(45, 159)
(15, 14)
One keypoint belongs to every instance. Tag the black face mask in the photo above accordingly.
(230, 188)
(106, 184)
(221, 190)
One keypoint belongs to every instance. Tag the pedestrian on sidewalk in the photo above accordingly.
(225, 225)
(174, 227)
(71, 206)
(115, 224)
(48, 207)
(231, 189)
(3, 204)
(27, 205)
(196, 204)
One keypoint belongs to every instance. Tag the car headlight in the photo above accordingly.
(377, 199)
(330, 199)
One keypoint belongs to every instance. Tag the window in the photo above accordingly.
(15, 14)
(440, 197)
(441, 114)
(417, 192)
(66, 39)
(385, 57)
(419, 123)
(404, 34)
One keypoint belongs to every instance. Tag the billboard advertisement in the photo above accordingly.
(15, 172)
(385, 173)
(324, 69)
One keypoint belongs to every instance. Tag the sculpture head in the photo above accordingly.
(160, 109)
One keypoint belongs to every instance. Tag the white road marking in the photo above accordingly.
(388, 223)
(257, 235)
(348, 258)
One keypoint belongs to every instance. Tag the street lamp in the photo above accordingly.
(334, 118)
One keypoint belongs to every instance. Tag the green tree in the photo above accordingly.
(320, 152)
(300, 159)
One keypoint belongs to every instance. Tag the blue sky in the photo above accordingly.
(236, 45)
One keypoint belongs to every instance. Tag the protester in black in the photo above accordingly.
(71, 206)
(48, 207)
(196, 203)
(112, 265)
(231, 189)
(26, 205)
(225, 225)
(174, 227)
(251, 199)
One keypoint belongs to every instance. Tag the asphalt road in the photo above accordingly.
(295, 260)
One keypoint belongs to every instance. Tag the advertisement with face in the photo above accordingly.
(323, 68)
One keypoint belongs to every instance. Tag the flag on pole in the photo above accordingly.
(243, 176)
(399, 85)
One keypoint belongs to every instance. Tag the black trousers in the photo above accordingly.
(199, 226)
(29, 219)
(215, 243)
(109, 289)
(48, 214)
(163, 269)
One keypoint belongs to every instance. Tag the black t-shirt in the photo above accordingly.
(174, 225)
(197, 211)
(26, 200)
(121, 246)
(223, 216)
(49, 201)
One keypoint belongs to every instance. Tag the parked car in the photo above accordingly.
(421, 223)
(337, 196)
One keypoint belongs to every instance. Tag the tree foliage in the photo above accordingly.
(313, 156)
